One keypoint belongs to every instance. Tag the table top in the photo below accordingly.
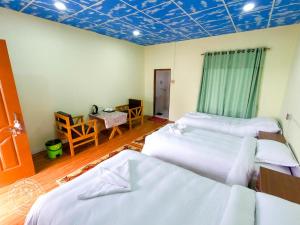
(103, 115)
(279, 184)
(111, 119)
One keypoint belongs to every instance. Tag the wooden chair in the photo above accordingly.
(134, 110)
(75, 130)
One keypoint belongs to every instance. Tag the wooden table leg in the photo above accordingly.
(114, 130)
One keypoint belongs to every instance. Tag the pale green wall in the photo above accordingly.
(185, 60)
(292, 106)
(57, 67)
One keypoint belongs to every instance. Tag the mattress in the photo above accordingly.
(226, 158)
(162, 194)
(235, 126)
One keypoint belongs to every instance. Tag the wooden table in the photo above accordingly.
(279, 184)
(107, 120)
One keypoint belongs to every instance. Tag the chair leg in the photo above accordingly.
(71, 148)
(130, 124)
(96, 140)
(142, 120)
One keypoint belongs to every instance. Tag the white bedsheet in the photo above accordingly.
(229, 125)
(162, 194)
(276, 211)
(225, 158)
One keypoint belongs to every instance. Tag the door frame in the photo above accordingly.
(154, 87)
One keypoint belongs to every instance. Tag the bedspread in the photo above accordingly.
(222, 157)
(162, 194)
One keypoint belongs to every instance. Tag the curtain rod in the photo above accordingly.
(233, 50)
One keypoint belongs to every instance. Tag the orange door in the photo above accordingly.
(15, 156)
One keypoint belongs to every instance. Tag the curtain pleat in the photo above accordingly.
(231, 82)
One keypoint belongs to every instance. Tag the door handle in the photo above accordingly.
(17, 127)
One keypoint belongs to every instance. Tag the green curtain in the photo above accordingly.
(231, 82)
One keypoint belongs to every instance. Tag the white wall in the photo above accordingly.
(292, 106)
(185, 60)
(57, 67)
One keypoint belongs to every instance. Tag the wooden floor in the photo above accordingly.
(48, 171)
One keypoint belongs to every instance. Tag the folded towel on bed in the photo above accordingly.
(109, 181)
(177, 129)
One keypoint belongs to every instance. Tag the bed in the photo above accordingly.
(235, 126)
(225, 158)
(161, 194)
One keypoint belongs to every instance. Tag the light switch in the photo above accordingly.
(288, 116)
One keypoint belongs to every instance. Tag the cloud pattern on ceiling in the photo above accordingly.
(161, 21)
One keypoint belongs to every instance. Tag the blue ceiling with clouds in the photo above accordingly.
(161, 21)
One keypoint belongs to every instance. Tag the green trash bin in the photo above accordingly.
(54, 148)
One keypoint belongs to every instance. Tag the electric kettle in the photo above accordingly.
(94, 109)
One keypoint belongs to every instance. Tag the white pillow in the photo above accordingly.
(274, 152)
(264, 124)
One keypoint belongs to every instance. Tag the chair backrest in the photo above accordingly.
(136, 109)
(64, 118)
(133, 103)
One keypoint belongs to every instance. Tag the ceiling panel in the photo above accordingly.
(142, 5)
(139, 20)
(164, 11)
(211, 15)
(255, 18)
(193, 6)
(182, 21)
(218, 24)
(285, 14)
(161, 21)
(91, 16)
(236, 8)
(15, 5)
(113, 8)
(222, 31)
(83, 24)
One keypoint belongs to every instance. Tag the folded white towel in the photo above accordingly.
(176, 129)
(109, 181)
(180, 126)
